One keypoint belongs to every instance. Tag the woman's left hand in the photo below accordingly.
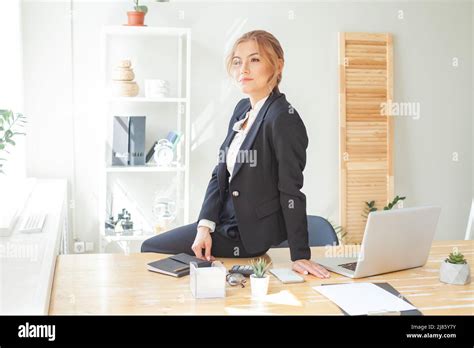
(309, 267)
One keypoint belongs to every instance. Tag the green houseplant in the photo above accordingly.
(455, 269)
(259, 280)
(370, 206)
(10, 123)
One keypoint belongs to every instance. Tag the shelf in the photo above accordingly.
(120, 42)
(146, 100)
(134, 30)
(143, 169)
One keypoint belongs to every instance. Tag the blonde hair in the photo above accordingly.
(269, 48)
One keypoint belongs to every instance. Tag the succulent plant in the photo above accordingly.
(260, 267)
(143, 8)
(456, 257)
(139, 8)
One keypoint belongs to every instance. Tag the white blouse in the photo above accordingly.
(234, 147)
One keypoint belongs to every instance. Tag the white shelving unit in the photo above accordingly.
(121, 42)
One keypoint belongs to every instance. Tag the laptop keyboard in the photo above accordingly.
(351, 266)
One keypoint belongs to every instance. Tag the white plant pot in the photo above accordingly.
(259, 286)
(459, 274)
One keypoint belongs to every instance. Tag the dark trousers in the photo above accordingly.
(225, 239)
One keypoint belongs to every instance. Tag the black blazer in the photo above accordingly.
(268, 203)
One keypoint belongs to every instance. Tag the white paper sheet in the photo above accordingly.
(362, 298)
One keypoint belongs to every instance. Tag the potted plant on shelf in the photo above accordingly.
(137, 17)
(455, 269)
(259, 280)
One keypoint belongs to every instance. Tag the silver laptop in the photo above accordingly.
(393, 240)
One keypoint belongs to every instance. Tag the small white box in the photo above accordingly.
(208, 282)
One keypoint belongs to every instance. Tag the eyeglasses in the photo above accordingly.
(234, 279)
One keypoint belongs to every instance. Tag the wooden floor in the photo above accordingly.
(120, 284)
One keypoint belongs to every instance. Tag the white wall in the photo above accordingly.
(425, 41)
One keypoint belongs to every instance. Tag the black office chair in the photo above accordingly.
(320, 233)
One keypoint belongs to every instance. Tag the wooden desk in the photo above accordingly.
(120, 284)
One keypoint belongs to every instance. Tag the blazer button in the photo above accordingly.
(235, 193)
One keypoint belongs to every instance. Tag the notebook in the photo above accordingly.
(176, 265)
(392, 290)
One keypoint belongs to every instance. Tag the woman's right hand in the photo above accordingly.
(203, 240)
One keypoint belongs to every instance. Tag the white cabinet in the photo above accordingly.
(27, 261)
(155, 53)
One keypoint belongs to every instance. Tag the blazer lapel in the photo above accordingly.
(231, 134)
(222, 169)
(251, 135)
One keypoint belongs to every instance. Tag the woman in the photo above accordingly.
(253, 200)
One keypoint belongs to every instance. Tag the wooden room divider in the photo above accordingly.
(366, 129)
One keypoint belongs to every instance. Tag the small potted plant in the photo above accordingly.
(455, 269)
(137, 17)
(259, 279)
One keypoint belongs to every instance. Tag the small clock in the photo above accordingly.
(163, 152)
